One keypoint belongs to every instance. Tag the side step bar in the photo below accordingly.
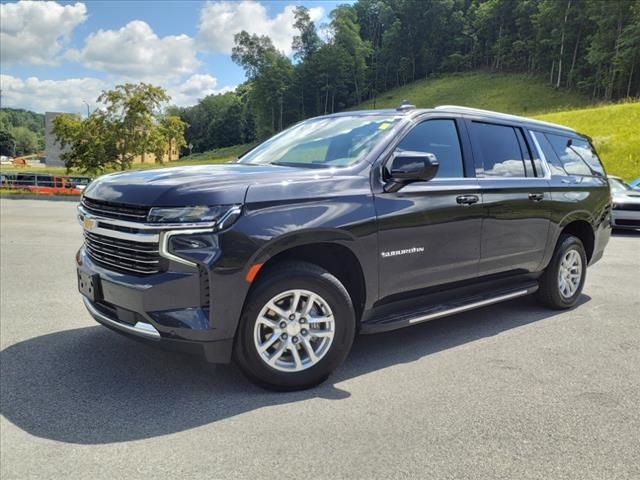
(405, 319)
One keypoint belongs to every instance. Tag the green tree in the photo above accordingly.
(90, 144)
(7, 143)
(131, 112)
(128, 126)
(26, 141)
(307, 42)
(271, 74)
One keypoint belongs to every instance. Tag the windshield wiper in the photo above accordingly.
(299, 164)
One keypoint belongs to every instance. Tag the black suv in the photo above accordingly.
(355, 222)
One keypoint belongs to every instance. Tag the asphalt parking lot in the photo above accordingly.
(513, 391)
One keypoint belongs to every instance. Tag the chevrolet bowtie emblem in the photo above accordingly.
(88, 223)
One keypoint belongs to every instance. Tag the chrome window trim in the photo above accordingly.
(543, 158)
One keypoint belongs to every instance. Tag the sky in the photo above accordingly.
(59, 56)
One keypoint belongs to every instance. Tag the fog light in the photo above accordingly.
(183, 318)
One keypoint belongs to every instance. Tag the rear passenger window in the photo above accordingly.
(576, 155)
(439, 137)
(500, 150)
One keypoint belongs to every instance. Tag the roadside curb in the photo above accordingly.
(55, 198)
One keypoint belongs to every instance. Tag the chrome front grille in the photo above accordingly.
(117, 238)
(133, 213)
(123, 255)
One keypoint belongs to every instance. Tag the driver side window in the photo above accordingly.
(439, 137)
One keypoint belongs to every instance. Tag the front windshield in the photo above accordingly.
(618, 187)
(323, 142)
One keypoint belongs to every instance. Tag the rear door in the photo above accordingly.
(516, 199)
(429, 232)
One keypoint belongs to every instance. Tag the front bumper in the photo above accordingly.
(164, 309)
(625, 219)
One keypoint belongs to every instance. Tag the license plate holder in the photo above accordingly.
(89, 286)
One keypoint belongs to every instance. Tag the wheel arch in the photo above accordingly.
(582, 229)
(335, 257)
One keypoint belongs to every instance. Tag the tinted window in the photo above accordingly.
(439, 137)
(499, 150)
(577, 158)
(550, 156)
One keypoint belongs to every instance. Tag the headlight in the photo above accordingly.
(193, 247)
(226, 214)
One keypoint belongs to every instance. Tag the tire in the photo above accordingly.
(262, 326)
(553, 293)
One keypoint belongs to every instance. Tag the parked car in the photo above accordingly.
(355, 222)
(626, 205)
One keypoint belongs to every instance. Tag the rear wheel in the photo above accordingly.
(563, 280)
(297, 327)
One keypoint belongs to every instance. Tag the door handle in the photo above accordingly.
(536, 197)
(467, 199)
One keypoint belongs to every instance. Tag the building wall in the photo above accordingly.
(171, 153)
(51, 147)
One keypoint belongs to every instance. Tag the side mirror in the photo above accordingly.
(408, 167)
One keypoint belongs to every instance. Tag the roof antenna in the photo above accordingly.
(404, 106)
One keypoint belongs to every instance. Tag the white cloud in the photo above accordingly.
(135, 51)
(35, 32)
(70, 95)
(50, 95)
(194, 88)
(221, 20)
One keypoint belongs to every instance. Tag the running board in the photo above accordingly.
(405, 319)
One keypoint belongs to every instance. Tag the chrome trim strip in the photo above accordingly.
(111, 245)
(121, 267)
(471, 306)
(97, 250)
(140, 329)
(133, 237)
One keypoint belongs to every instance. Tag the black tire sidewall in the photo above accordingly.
(306, 278)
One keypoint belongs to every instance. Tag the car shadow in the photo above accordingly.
(92, 386)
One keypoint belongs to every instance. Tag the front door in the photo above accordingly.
(429, 232)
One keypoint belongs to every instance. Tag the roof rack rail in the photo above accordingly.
(505, 116)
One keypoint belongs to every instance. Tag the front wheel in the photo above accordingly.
(297, 327)
(562, 281)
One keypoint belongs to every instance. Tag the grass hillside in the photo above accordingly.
(615, 130)
(220, 155)
(509, 93)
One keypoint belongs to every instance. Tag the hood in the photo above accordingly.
(626, 197)
(196, 185)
